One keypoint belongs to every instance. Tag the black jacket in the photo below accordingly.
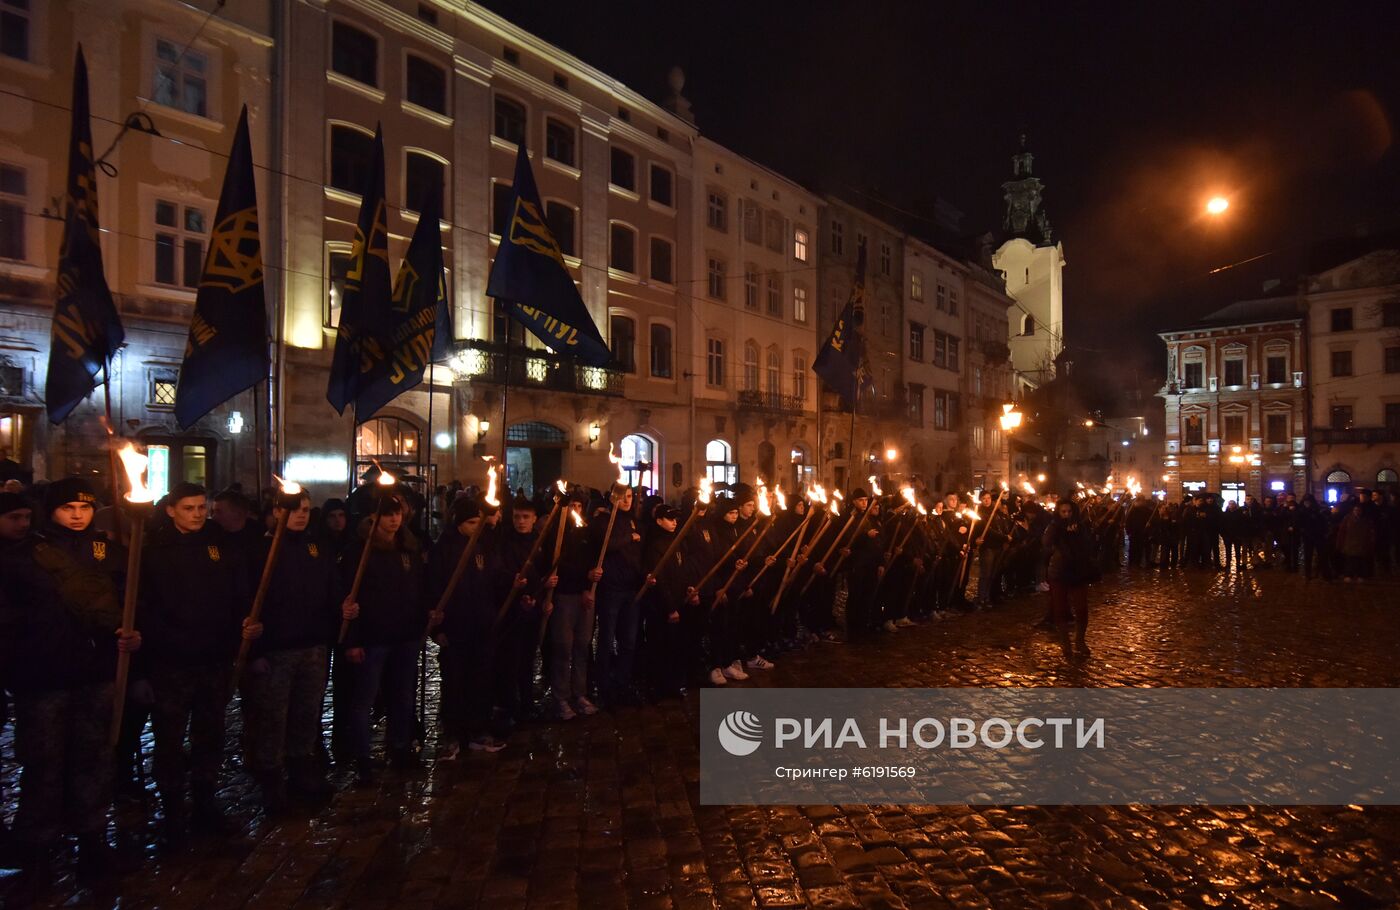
(57, 619)
(391, 596)
(301, 610)
(195, 592)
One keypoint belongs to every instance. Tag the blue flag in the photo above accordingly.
(86, 328)
(367, 286)
(530, 274)
(226, 351)
(841, 362)
(399, 343)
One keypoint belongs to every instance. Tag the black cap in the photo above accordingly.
(663, 511)
(13, 502)
(333, 505)
(743, 493)
(69, 489)
(523, 503)
(464, 508)
(857, 493)
(390, 503)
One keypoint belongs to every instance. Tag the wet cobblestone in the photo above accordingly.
(603, 811)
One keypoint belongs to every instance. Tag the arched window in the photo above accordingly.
(774, 377)
(638, 455)
(352, 150)
(799, 377)
(509, 121)
(390, 438)
(751, 365)
(1028, 325)
(1338, 482)
(1387, 475)
(718, 464)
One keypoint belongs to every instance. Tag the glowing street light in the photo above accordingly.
(1217, 206)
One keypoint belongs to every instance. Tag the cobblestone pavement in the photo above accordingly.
(602, 811)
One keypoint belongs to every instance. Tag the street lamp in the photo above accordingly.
(1010, 420)
(1217, 205)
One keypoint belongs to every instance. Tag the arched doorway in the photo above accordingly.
(638, 454)
(803, 472)
(1387, 479)
(719, 462)
(534, 455)
(393, 442)
(1338, 485)
(767, 462)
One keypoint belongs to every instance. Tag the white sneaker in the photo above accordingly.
(734, 671)
(585, 707)
(904, 622)
(563, 711)
(717, 677)
(759, 662)
(889, 625)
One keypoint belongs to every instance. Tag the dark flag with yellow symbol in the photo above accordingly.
(367, 286)
(86, 328)
(530, 274)
(398, 344)
(841, 362)
(226, 351)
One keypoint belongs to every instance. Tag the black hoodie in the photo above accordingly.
(301, 610)
(195, 592)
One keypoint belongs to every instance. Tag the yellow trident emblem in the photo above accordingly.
(528, 229)
(214, 553)
(99, 550)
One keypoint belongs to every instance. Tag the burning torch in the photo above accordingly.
(140, 502)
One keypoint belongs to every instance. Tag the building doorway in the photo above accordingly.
(534, 456)
(1338, 485)
(180, 459)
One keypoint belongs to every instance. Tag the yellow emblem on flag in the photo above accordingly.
(214, 553)
(528, 229)
(227, 265)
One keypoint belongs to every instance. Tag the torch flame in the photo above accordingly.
(972, 514)
(134, 463)
(706, 491)
(1004, 487)
(563, 490)
(578, 519)
(778, 495)
(621, 474)
(1026, 485)
(288, 487)
(491, 499)
(764, 508)
(835, 504)
(836, 494)
(385, 479)
(908, 493)
(875, 487)
(920, 507)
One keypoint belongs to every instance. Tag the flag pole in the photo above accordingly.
(112, 451)
(505, 399)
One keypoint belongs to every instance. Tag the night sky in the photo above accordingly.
(1135, 120)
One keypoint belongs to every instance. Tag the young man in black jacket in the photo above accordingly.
(195, 595)
(571, 623)
(284, 682)
(518, 628)
(59, 638)
(383, 640)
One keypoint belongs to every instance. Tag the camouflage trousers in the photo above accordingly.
(193, 699)
(61, 742)
(281, 701)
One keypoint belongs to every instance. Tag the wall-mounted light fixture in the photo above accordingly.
(594, 431)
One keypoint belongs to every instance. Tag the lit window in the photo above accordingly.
(718, 467)
(638, 455)
(162, 393)
(179, 234)
(181, 79)
(337, 269)
(799, 245)
(916, 286)
(799, 303)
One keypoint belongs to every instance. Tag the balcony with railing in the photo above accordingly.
(479, 361)
(755, 401)
(1369, 436)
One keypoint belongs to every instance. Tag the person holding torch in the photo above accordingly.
(386, 618)
(284, 680)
